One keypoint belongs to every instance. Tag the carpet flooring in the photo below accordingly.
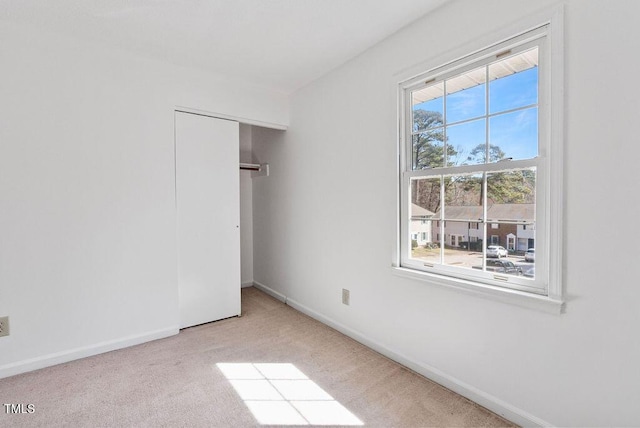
(272, 366)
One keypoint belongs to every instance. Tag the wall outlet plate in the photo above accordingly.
(4, 326)
(345, 296)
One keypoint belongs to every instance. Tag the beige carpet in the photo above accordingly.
(273, 365)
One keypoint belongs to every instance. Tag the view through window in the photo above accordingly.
(472, 169)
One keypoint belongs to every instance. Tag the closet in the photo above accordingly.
(208, 217)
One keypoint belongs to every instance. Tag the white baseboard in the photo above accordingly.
(246, 284)
(86, 351)
(271, 292)
(474, 394)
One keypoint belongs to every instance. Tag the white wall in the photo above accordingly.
(335, 169)
(246, 208)
(87, 208)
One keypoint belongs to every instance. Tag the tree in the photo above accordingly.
(479, 154)
(428, 145)
(428, 151)
(426, 193)
(509, 187)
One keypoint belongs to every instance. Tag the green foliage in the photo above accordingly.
(511, 187)
(508, 187)
(414, 244)
(428, 145)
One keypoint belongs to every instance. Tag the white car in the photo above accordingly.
(530, 255)
(496, 251)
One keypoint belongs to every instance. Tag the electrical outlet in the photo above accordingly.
(4, 326)
(345, 297)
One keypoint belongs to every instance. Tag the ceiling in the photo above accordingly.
(281, 44)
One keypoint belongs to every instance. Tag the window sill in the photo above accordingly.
(504, 295)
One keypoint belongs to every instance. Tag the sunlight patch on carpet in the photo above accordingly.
(280, 394)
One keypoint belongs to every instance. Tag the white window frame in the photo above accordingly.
(548, 293)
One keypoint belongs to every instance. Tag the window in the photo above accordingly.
(475, 151)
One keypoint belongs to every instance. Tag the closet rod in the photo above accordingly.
(250, 166)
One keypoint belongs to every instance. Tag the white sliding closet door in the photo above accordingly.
(208, 204)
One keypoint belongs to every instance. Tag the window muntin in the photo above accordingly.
(495, 142)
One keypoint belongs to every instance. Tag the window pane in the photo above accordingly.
(526, 244)
(463, 197)
(466, 143)
(514, 82)
(428, 149)
(510, 188)
(504, 265)
(514, 135)
(428, 252)
(425, 207)
(425, 197)
(428, 107)
(511, 207)
(466, 96)
(463, 244)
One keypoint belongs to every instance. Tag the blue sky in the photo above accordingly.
(516, 133)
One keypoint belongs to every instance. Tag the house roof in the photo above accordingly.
(496, 212)
(418, 211)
